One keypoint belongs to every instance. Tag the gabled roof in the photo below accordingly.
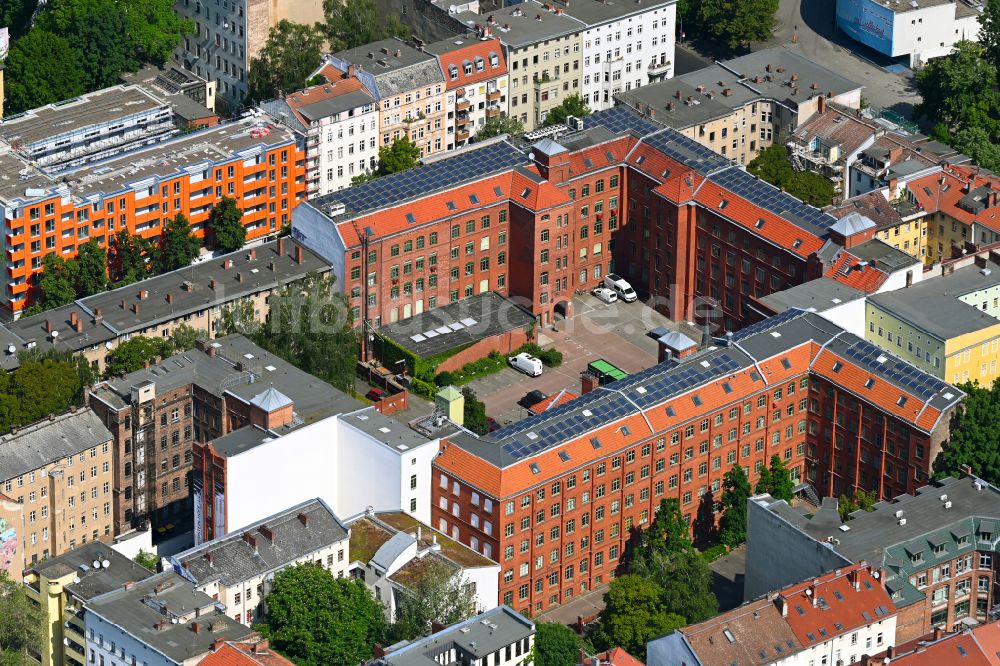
(453, 54)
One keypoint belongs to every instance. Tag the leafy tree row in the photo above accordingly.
(775, 480)
(43, 384)
(975, 435)
(773, 165)
(75, 46)
(571, 106)
(666, 586)
(131, 258)
(401, 155)
(21, 624)
(139, 350)
(734, 24)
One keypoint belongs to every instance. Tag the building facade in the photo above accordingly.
(61, 585)
(309, 533)
(59, 471)
(556, 495)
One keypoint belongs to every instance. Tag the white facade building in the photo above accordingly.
(237, 569)
(910, 30)
(625, 46)
(338, 122)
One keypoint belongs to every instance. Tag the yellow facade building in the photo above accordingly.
(61, 585)
(948, 325)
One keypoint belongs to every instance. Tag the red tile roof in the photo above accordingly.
(561, 398)
(846, 271)
(942, 192)
(617, 657)
(250, 653)
(467, 53)
(834, 604)
(976, 647)
(321, 93)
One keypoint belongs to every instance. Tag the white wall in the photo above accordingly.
(631, 54)
(930, 32)
(348, 145)
(316, 231)
(850, 316)
(102, 634)
(487, 581)
(849, 647)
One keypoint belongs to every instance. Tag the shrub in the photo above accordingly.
(551, 358)
(714, 553)
(444, 378)
(421, 387)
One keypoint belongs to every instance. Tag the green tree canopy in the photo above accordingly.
(316, 619)
(127, 258)
(555, 645)
(147, 560)
(240, 317)
(134, 353)
(735, 493)
(502, 124)
(437, 596)
(684, 580)
(975, 142)
(310, 326)
(41, 68)
(737, 23)
(669, 532)
(44, 383)
(183, 338)
(292, 52)
(401, 155)
(179, 246)
(351, 23)
(16, 15)
(571, 106)
(91, 269)
(57, 283)
(862, 500)
(21, 623)
(772, 164)
(776, 480)
(225, 223)
(474, 412)
(975, 435)
(96, 30)
(959, 90)
(989, 32)
(633, 614)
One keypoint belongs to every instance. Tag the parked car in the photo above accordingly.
(492, 424)
(606, 295)
(375, 394)
(620, 286)
(526, 363)
(532, 398)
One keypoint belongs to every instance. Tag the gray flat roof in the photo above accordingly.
(523, 24)
(71, 115)
(747, 78)
(888, 258)
(592, 12)
(394, 434)
(142, 610)
(314, 399)
(481, 636)
(665, 381)
(933, 305)
(285, 538)
(49, 441)
(458, 324)
(397, 66)
(94, 581)
(820, 294)
(689, 109)
(334, 105)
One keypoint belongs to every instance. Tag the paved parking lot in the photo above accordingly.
(616, 333)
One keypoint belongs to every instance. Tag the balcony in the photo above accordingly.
(461, 135)
(462, 105)
(492, 111)
(658, 68)
(493, 96)
(461, 122)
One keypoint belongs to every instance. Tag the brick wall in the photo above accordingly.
(505, 343)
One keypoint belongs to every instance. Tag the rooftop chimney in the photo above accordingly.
(98, 316)
(78, 326)
(211, 284)
(73, 317)
(281, 247)
(253, 253)
(218, 643)
(298, 254)
(196, 627)
(304, 519)
(135, 308)
(251, 541)
(228, 263)
(170, 298)
(266, 533)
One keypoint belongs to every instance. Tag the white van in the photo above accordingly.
(526, 363)
(620, 286)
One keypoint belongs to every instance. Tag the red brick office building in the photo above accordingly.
(554, 497)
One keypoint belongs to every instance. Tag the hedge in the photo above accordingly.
(494, 363)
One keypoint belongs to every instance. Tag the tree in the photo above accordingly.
(351, 23)
(501, 124)
(474, 412)
(292, 52)
(183, 338)
(737, 23)
(16, 15)
(394, 27)
(155, 29)
(633, 614)
(571, 106)
(777, 481)
(179, 246)
(57, 284)
(240, 317)
(91, 269)
(41, 68)
(147, 560)
(735, 493)
(133, 354)
(555, 645)
(959, 90)
(21, 623)
(772, 164)
(862, 499)
(225, 223)
(669, 532)
(684, 580)
(975, 435)
(438, 596)
(400, 156)
(315, 619)
(310, 326)
(976, 143)
(127, 258)
(95, 30)
(989, 32)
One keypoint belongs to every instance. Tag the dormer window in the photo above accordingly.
(479, 64)
(453, 72)
(494, 60)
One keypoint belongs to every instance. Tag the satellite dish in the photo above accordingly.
(11, 349)
(531, 156)
(809, 593)
(97, 564)
(55, 334)
(108, 345)
(76, 579)
(105, 563)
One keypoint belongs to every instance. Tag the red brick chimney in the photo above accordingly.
(218, 643)
(253, 253)
(78, 326)
(135, 308)
(170, 298)
(298, 254)
(281, 247)
(196, 627)
(266, 533)
(251, 541)
(588, 382)
(821, 104)
(72, 317)
(304, 519)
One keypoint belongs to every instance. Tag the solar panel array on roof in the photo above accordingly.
(767, 324)
(619, 120)
(770, 198)
(687, 151)
(422, 180)
(906, 376)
